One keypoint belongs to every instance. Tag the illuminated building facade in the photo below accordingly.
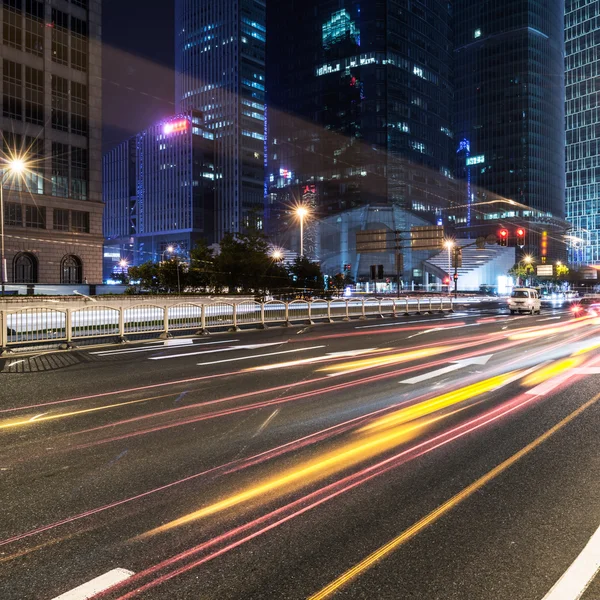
(582, 24)
(220, 70)
(509, 111)
(52, 112)
(159, 192)
(360, 107)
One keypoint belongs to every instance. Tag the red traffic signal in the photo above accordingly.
(520, 237)
(520, 232)
(503, 237)
(446, 280)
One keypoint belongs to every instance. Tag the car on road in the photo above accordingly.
(524, 300)
(588, 305)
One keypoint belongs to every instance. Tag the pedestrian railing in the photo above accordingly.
(43, 325)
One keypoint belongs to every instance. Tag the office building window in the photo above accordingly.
(80, 221)
(34, 96)
(79, 44)
(12, 29)
(35, 216)
(60, 37)
(13, 90)
(60, 103)
(25, 268)
(79, 109)
(34, 27)
(13, 214)
(79, 173)
(34, 176)
(61, 219)
(71, 269)
(60, 170)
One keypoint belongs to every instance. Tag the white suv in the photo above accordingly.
(524, 300)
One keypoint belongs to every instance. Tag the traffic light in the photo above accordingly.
(520, 237)
(379, 271)
(457, 258)
(373, 272)
(503, 237)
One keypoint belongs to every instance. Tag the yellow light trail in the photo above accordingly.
(545, 332)
(388, 359)
(439, 512)
(551, 370)
(40, 418)
(434, 404)
(400, 427)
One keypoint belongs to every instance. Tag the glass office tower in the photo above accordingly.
(582, 27)
(360, 105)
(509, 115)
(220, 71)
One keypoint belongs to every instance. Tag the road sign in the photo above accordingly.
(545, 270)
(427, 238)
(376, 240)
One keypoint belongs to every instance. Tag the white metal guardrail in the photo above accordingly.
(43, 325)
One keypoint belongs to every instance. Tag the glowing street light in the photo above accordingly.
(15, 166)
(301, 213)
(277, 255)
(123, 263)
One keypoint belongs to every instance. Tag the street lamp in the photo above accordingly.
(301, 212)
(15, 166)
(123, 263)
(277, 255)
(169, 249)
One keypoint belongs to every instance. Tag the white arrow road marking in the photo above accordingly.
(253, 356)
(306, 361)
(459, 364)
(228, 349)
(95, 586)
(580, 574)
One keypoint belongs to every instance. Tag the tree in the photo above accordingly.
(147, 276)
(202, 266)
(307, 275)
(562, 272)
(522, 271)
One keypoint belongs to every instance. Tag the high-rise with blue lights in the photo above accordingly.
(159, 192)
(220, 71)
(509, 114)
(582, 27)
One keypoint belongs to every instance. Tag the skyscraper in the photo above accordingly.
(360, 113)
(220, 70)
(51, 115)
(159, 192)
(582, 20)
(509, 62)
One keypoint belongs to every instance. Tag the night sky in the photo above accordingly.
(137, 66)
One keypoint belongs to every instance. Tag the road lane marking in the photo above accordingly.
(459, 364)
(157, 347)
(97, 585)
(228, 349)
(409, 322)
(580, 574)
(435, 329)
(268, 420)
(328, 356)
(444, 508)
(548, 319)
(254, 356)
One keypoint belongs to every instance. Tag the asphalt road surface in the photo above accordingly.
(425, 457)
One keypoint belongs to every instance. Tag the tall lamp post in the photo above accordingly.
(170, 250)
(13, 167)
(301, 212)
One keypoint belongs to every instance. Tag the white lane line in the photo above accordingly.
(443, 329)
(548, 319)
(269, 419)
(153, 348)
(97, 585)
(580, 574)
(329, 356)
(408, 322)
(228, 349)
(459, 364)
(226, 360)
